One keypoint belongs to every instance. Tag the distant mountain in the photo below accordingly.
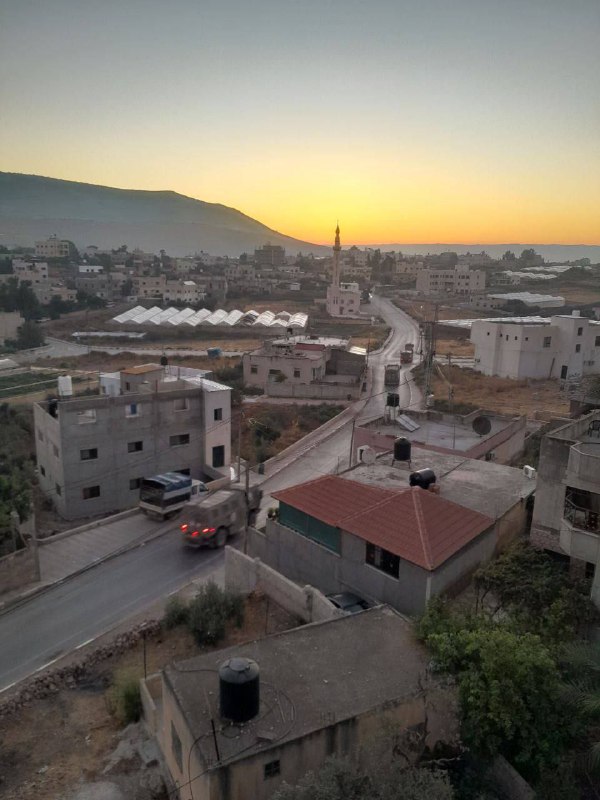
(33, 207)
(550, 252)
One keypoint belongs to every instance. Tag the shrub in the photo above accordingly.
(210, 611)
(176, 613)
(124, 699)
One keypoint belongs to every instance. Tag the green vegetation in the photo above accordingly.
(25, 382)
(209, 612)
(176, 613)
(16, 470)
(507, 658)
(19, 297)
(124, 697)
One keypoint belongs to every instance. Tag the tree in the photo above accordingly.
(508, 255)
(342, 779)
(508, 688)
(581, 691)
(29, 335)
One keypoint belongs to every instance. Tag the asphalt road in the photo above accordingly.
(68, 615)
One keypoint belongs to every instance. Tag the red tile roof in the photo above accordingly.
(414, 524)
(332, 499)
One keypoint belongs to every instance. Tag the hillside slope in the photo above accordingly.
(33, 207)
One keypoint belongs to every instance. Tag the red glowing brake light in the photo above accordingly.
(195, 533)
(184, 527)
(208, 530)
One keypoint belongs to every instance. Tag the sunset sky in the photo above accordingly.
(407, 120)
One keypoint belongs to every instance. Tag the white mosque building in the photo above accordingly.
(343, 299)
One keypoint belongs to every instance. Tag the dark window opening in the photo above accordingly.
(135, 483)
(179, 439)
(272, 769)
(176, 748)
(382, 559)
(90, 491)
(88, 455)
(135, 447)
(218, 456)
(218, 414)
(578, 348)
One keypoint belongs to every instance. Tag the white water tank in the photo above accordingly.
(529, 472)
(65, 386)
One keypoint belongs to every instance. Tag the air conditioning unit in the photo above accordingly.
(529, 472)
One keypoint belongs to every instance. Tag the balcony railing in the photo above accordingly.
(584, 462)
(582, 518)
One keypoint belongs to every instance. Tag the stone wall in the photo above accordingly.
(18, 569)
(245, 575)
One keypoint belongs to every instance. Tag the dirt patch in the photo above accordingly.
(579, 294)
(424, 310)
(454, 347)
(502, 395)
(103, 362)
(54, 743)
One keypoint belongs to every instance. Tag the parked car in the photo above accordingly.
(349, 603)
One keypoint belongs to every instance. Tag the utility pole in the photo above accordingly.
(429, 358)
(247, 498)
(351, 442)
(239, 452)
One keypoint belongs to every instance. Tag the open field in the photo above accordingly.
(54, 743)
(103, 362)
(578, 294)
(459, 346)
(423, 310)
(505, 396)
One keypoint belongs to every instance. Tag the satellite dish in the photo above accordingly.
(482, 425)
(368, 455)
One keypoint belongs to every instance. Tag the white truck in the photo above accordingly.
(212, 518)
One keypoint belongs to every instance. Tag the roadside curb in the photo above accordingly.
(45, 587)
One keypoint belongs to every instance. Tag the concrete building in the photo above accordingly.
(92, 452)
(52, 248)
(326, 689)
(446, 433)
(564, 347)
(10, 322)
(566, 515)
(369, 533)
(147, 286)
(475, 260)
(269, 255)
(306, 366)
(460, 281)
(343, 299)
(182, 292)
(106, 285)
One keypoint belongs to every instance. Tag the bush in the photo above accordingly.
(125, 699)
(210, 611)
(176, 613)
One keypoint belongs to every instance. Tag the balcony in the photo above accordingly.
(584, 464)
(582, 518)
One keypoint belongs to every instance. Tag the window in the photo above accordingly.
(578, 348)
(516, 337)
(272, 769)
(180, 404)
(488, 333)
(42, 470)
(176, 748)
(135, 447)
(527, 338)
(58, 489)
(579, 331)
(85, 417)
(381, 559)
(547, 341)
(132, 410)
(134, 483)
(88, 455)
(597, 341)
(179, 439)
(218, 456)
(296, 372)
(40, 435)
(127, 386)
(55, 450)
(218, 414)
(90, 491)
(254, 368)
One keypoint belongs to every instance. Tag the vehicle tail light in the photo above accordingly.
(184, 527)
(195, 533)
(208, 530)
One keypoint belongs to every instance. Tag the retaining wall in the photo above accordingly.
(245, 575)
(17, 570)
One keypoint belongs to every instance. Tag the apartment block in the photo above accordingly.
(566, 347)
(182, 292)
(270, 255)
(456, 281)
(566, 514)
(92, 452)
(52, 248)
(149, 286)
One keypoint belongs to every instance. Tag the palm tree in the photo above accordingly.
(582, 690)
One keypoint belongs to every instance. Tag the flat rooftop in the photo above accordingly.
(445, 432)
(310, 678)
(483, 486)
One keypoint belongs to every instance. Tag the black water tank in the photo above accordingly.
(53, 407)
(422, 478)
(402, 448)
(393, 400)
(239, 689)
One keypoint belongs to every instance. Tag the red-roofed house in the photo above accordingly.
(392, 546)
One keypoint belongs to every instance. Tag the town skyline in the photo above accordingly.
(465, 123)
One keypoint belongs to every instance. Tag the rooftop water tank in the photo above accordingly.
(65, 386)
(402, 448)
(422, 478)
(239, 689)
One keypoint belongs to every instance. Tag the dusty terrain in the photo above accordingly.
(501, 394)
(54, 743)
